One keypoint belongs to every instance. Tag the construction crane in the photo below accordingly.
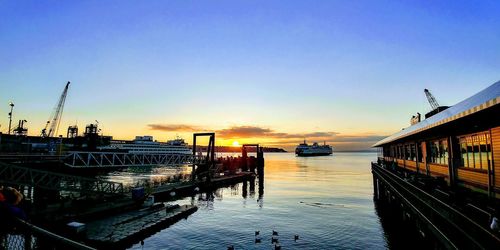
(432, 101)
(434, 104)
(55, 118)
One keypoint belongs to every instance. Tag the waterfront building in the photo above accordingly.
(460, 145)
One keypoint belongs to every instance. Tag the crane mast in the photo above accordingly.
(432, 101)
(55, 118)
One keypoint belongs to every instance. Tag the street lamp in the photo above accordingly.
(11, 104)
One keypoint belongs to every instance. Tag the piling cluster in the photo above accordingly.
(231, 165)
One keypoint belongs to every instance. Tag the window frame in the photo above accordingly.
(470, 141)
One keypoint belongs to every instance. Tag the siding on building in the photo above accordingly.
(495, 145)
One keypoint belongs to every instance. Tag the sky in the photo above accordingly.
(270, 72)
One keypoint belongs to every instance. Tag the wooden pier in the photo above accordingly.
(446, 222)
(109, 213)
(124, 229)
(187, 188)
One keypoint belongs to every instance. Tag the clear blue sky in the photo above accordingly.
(273, 71)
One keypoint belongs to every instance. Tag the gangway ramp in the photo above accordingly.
(120, 160)
(16, 175)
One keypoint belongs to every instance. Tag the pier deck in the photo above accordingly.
(446, 222)
(127, 228)
(188, 187)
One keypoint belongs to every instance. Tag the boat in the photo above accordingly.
(315, 149)
(146, 145)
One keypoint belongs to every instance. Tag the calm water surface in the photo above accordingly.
(327, 201)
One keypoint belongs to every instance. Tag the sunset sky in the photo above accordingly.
(272, 72)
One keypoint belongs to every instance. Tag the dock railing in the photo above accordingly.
(27, 236)
(452, 228)
(119, 160)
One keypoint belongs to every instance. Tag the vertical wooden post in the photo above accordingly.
(491, 171)
(193, 177)
(404, 156)
(452, 160)
(424, 158)
(417, 162)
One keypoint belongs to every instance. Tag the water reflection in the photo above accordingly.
(155, 175)
(244, 190)
(399, 233)
(252, 189)
(260, 200)
(328, 201)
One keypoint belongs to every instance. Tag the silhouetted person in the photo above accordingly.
(9, 201)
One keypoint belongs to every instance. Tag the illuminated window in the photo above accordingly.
(475, 151)
(437, 151)
(413, 153)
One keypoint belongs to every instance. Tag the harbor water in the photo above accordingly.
(327, 201)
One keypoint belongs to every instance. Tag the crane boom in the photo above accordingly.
(432, 101)
(55, 118)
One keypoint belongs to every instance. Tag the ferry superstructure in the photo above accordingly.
(315, 149)
(146, 145)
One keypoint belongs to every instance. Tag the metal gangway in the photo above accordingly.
(119, 160)
(16, 175)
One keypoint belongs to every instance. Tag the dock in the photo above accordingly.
(124, 229)
(187, 188)
(67, 199)
(450, 224)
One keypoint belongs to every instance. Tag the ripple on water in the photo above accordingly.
(327, 201)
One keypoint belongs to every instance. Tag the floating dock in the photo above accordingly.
(187, 188)
(124, 229)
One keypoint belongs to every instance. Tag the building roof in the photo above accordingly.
(485, 99)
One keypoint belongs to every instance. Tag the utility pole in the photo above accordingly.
(10, 115)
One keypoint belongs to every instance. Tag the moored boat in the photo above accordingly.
(146, 145)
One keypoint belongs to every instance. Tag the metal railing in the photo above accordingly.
(15, 175)
(27, 236)
(455, 228)
(111, 159)
(29, 158)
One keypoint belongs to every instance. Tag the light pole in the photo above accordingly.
(10, 115)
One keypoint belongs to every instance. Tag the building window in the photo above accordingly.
(438, 151)
(420, 158)
(413, 153)
(475, 151)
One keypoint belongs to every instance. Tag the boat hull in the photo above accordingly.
(313, 154)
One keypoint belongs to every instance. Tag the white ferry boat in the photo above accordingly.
(146, 145)
(313, 150)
